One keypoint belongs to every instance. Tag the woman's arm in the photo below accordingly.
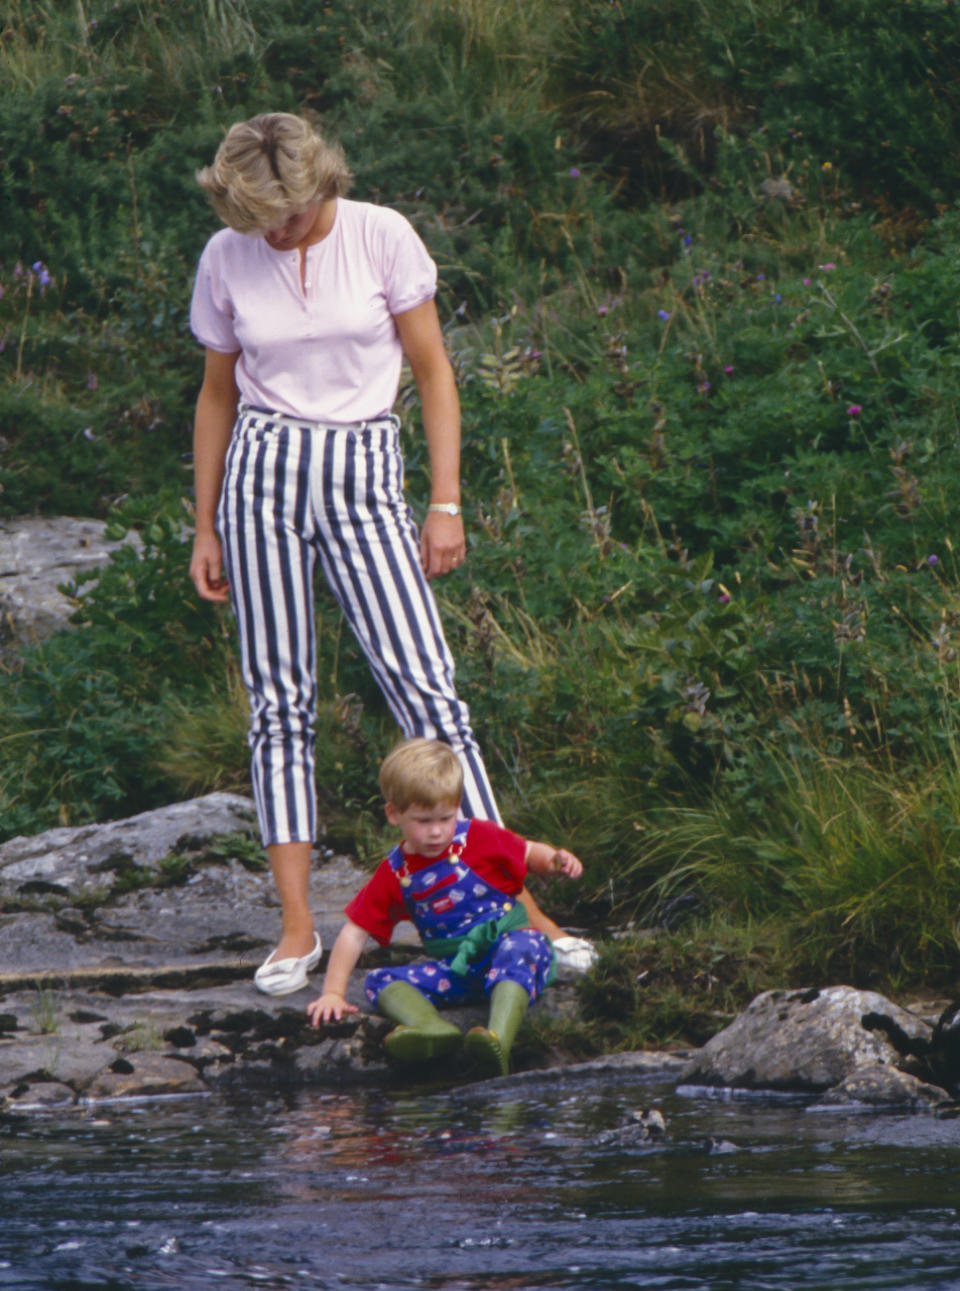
(212, 427)
(442, 542)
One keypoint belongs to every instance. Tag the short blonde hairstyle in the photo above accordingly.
(425, 772)
(271, 165)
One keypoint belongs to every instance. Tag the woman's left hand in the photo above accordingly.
(443, 546)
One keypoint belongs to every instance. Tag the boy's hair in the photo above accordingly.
(268, 166)
(426, 772)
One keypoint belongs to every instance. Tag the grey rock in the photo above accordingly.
(37, 554)
(879, 1086)
(809, 1041)
(86, 860)
(145, 1075)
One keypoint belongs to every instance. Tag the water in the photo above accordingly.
(477, 1189)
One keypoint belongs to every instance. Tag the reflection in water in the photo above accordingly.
(521, 1185)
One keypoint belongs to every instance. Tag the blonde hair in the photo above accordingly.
(425, 772)
(268, 166)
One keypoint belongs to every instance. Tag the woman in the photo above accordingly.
(306, 304)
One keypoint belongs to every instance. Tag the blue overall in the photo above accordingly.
(447, 899)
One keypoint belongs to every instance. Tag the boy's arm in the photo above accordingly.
(544, 860)
(332, 1003)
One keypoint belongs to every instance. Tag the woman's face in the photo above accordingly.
(296, 229)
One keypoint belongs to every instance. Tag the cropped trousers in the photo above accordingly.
(294, 493)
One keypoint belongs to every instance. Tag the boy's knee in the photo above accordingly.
(377, 981)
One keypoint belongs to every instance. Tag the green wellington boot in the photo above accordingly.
(422, 1034)
(489, 1047)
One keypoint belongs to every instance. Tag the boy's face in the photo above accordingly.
(427, 831)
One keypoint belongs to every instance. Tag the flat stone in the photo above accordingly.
(87, 859)
(37, 555)
(144, 1075)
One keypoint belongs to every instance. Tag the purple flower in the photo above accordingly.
(827, 267)
(761, 277)
(704, 386)
(662, 314)
(574, 172)
(724, 599)
(40, 269)
(806, 282)
(854, 410)
(933, 560)
(687, 240)
(602, 310)
(728, 369)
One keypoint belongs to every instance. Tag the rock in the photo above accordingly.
(87, 860)
(37, 554)
(145, 1075)
(41, 1096)
(883, 1086)
(809, 1041)
(638, 1128)
(943, 1056)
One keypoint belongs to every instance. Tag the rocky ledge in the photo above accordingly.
(127, 953)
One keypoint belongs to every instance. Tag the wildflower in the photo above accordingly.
(602, 311)
(687, 240)
(43, 274)
(703, 386)
(728, 369)
(827, 166)
(854, 410)
(724, 599)
(806, 282)
(574, 172)
(933, 560)
(777, 298)
(664, 315)
(827, 267)
(761, 277)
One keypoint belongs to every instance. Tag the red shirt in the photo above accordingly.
(494, 853)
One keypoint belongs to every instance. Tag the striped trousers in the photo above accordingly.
(295, 492)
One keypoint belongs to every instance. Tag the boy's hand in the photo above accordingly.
(329, 1007)
(566, 863)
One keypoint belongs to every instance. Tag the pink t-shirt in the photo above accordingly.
(329, 352)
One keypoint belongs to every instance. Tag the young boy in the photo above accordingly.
(458, 881)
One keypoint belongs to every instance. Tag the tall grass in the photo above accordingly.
(42, 40)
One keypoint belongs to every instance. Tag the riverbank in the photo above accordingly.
(126, 963)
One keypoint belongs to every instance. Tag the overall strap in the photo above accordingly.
(397, 860)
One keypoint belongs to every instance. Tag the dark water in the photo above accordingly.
(477, 1189)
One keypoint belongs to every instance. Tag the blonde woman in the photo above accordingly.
(306, 304)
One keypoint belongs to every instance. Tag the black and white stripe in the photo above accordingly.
(294, 492)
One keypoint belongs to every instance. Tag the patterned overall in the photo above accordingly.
(448, 900)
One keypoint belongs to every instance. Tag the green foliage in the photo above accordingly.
(699, 273)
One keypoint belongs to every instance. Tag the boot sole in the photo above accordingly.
(410, 1046)
(483, 1049)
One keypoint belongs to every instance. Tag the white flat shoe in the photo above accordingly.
(284, 976)
(573, 955)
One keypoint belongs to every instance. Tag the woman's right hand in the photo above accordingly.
(206, 568)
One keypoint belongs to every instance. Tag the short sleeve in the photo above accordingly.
(211, 311)
(378, 906)
(500, 852)
(410, 275)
